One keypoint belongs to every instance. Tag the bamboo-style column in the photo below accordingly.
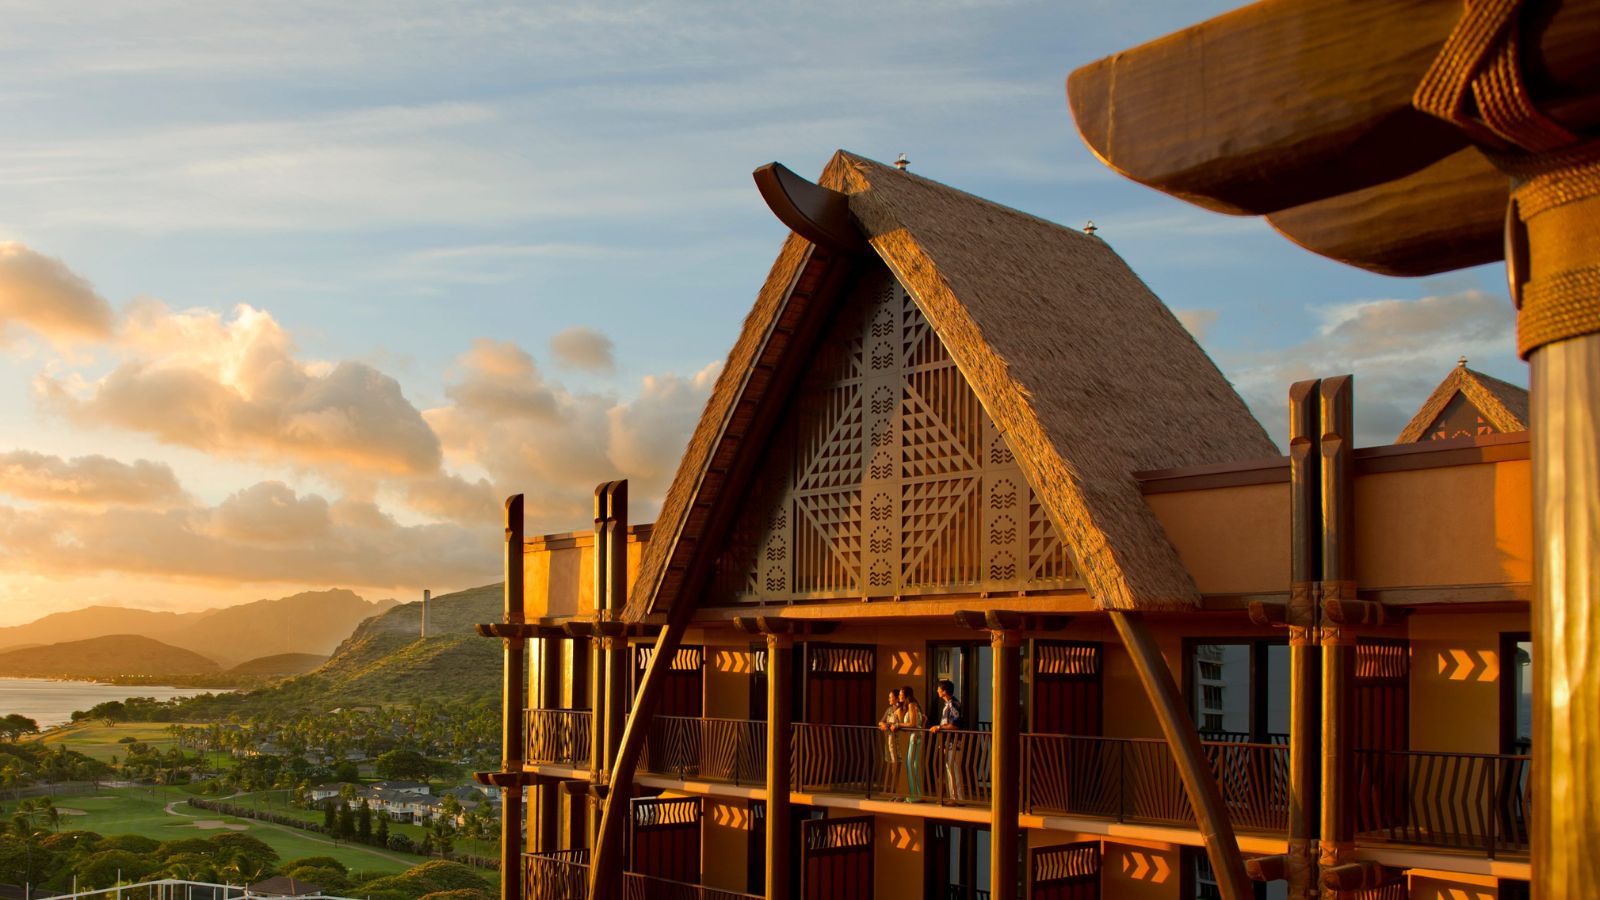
(1211, 815)
(1566, 611)
(780, 722)
(545, 807)
(1305, 535)
(613, 578)
(1301, 616)
(511, 736)
(1005, 761)
(1335, 402)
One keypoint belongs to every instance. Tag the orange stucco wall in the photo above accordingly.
(1455, 525)
(1232, 540)
(1453, 886)
(558, 572)
(1140, 870)
(724, 844)
(1455, 679)
(897, 859)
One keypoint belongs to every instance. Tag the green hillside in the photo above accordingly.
(112, 656)
(280, 664)
(387, 661)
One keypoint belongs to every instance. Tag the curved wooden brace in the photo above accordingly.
(818, 214)
(1447, 216)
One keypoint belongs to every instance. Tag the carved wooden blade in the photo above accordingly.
(1447, 216)
(1285, 102)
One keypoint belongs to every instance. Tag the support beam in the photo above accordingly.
(607, 851)
(511, 736)
(614, 581)
(1335, 400)
(1005, 761)
(780, 719)
(1566, 613)
(1211, 816)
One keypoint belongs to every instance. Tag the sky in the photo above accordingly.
(292, 295)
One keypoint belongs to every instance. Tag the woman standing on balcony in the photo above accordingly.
(913, 718)
(891, 754)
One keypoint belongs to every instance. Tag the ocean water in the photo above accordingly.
(51, 702)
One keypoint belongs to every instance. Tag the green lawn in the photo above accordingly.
(100, 741)
(142, 811)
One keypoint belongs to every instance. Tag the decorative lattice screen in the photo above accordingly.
(887, 477)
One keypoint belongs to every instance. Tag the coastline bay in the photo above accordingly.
(51, 702)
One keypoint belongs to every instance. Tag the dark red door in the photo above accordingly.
(683, 692)
(666, 838)
(1382, 726)
(1067, 688)
(1065, 872)
(841, 684)
(836, 858)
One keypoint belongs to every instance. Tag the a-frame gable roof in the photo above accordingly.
(1089, 376)
(1501, 403)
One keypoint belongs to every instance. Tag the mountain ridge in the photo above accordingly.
(105, 657)
(312, 622)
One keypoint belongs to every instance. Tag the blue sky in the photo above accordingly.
(316, 255)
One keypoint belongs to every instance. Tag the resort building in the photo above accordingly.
(955, 443)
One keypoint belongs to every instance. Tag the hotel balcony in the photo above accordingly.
(1469, 802)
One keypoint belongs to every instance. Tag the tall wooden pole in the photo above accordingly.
(545, 836)
(1305, 564)
(511, 749)
(1005, 775)
(1566, 616)
(1211, 815)
(1338, 643)
(598, 717)
(615, 583)
(780, 719)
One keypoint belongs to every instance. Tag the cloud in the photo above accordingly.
(40, 293)
(553, 446)
(1399, 350)
(234, 386)
(1198, 321)
(453, 498)
(583, 348)
(87, 480)
(265, 533)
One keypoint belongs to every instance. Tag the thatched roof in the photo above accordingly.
(1501, 403)
(1089, 376)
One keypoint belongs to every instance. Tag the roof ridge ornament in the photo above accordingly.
(818, 214)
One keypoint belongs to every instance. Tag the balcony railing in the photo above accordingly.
(1463, 801)
(645, 887)
(1136, 780)
(946, 766)
(1467, 801)
(557, 736)
(557, 875)
(564, 875)
(727, 750)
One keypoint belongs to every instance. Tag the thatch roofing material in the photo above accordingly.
(1502, 403)
(1087, 373)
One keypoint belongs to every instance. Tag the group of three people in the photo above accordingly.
(905, 713)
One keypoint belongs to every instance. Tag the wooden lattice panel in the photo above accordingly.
(887, 477)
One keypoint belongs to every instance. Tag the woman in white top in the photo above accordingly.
(912, 717)
(891, 748)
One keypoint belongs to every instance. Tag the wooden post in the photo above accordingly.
(1566, 615)
(780, 715)
(511, 737)
(615, 582)
(545, 836)
(1211, 816)
(1305, 555)
(1337, 846)
(1005, 775)
(598, 717)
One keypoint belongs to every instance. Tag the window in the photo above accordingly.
(1239, 690)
